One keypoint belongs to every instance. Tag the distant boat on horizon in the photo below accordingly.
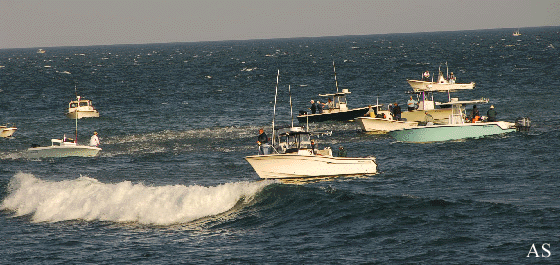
(516, 33)
(40, 51)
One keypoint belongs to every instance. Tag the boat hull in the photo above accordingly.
(82, 114)
(284, 166)
(7, 132)
(419, 85)
(449, 132)
(62, 151)
(380, 125)
(333, 116)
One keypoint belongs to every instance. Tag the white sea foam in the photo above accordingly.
(88, 199)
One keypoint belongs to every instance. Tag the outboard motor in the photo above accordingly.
(523, 124)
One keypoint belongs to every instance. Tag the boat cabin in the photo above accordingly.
(81, 103)
(296, 140)
(338, 100)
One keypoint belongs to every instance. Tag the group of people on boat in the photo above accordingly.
(319, 108)
(451, 78)
(475, 114)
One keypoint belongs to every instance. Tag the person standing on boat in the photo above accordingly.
(371, 112)
(475, 114)
(397, 112)
(330, 104)
(313, 107)
(341, 151)
(412, 104)
(426, 76)
(429, 119)
(94, 140)
(491, 113)
(452, 78)
(312, 147)
(319, 107)
(262, 141)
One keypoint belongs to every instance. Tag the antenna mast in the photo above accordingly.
(274, 114)
(335, 81)
(291, 109)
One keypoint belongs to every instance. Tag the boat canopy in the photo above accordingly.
(338, 94)
(454, 101)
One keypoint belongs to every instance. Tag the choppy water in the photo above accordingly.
(172, 185)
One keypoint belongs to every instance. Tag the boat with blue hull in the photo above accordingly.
(450, 132)
(457, 128)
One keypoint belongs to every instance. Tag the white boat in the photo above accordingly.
(516, 33)
(7, 131)
(443, 84)
(383, 122)
(457, 128)
(81, 108)
(40, 51)
(295, 155)
(62, 148)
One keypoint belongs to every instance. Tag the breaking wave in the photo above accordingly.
(88, 199)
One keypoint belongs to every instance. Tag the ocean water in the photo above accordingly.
(171, 185)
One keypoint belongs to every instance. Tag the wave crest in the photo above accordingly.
(88, 199)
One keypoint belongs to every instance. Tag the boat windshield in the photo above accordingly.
(73, 105)
(293, 142)
(84, 104)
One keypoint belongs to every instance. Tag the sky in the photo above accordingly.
(53, 23)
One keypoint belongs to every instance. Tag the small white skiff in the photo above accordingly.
(443, 84)
(62, 148)
(381, 121)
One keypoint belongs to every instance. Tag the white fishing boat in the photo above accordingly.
(40, 51)
(295, 155)
(81, 108)
(62, 148)
(516, 33)
(457, 128)
(381, 121)
(7, 130)
(443, 83)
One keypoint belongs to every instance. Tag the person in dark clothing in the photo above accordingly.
(341, 151)
(313, 107)
(319, 107)
(397, 112)
(491, 113)
(313, 147)
(475, 114)
(262, 141)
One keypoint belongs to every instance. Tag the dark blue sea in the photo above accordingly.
(171, 185)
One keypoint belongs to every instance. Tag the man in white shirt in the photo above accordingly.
(94, 141)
